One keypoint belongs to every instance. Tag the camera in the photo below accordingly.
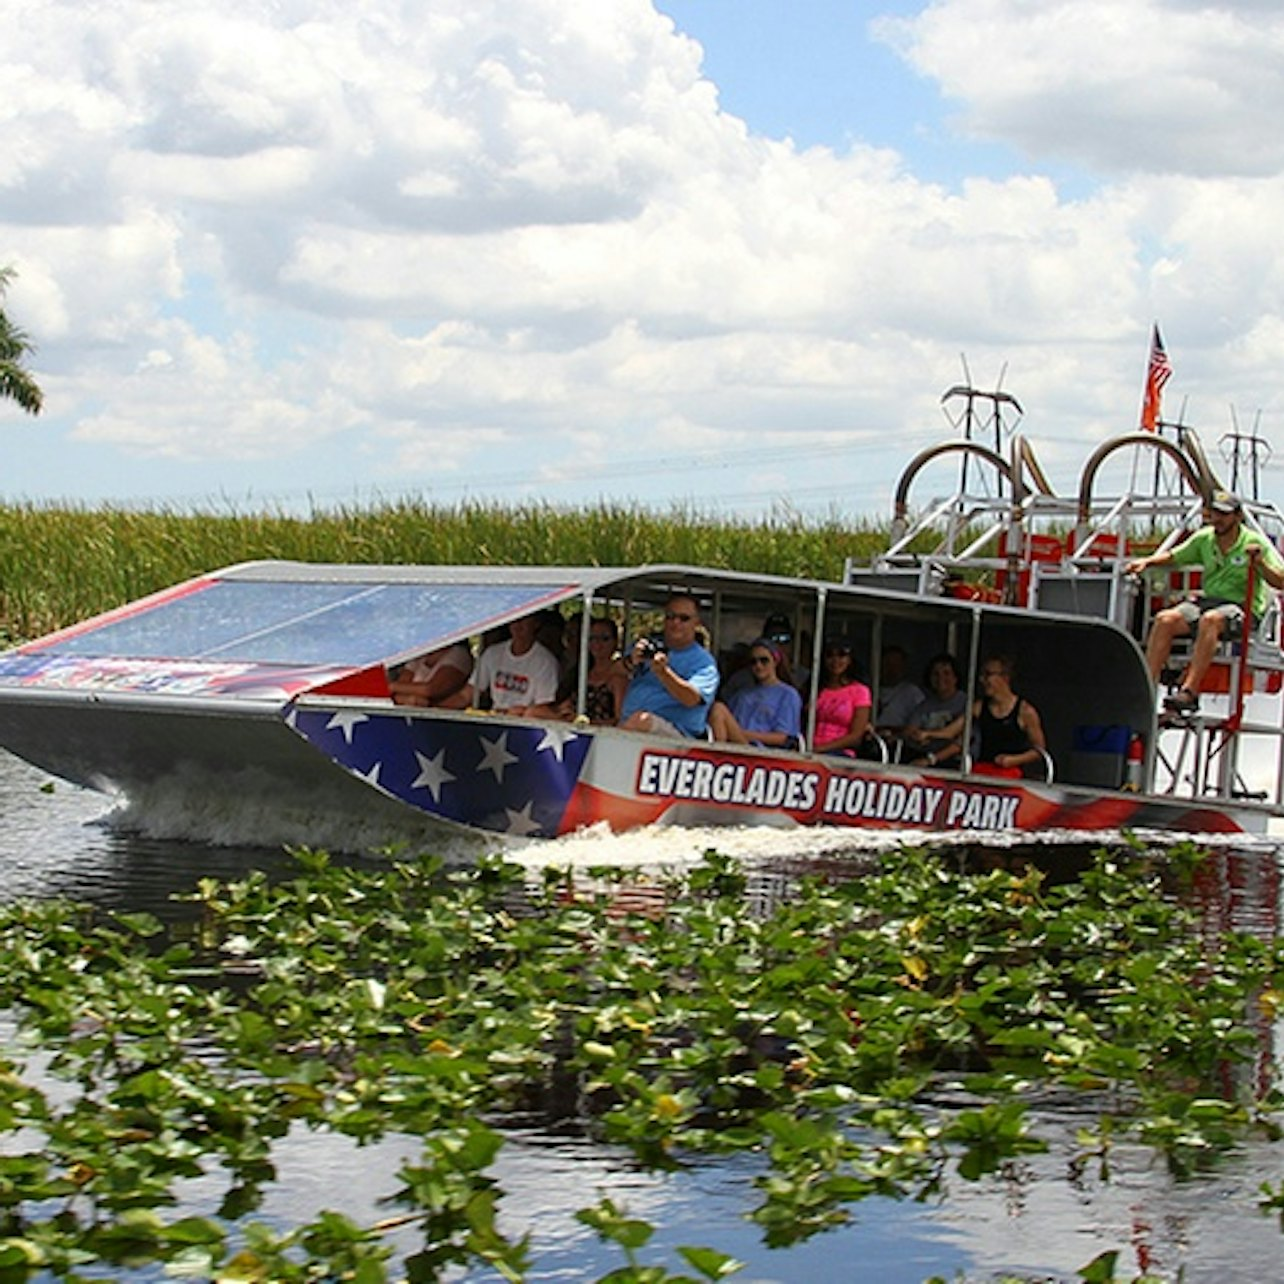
(645, 648)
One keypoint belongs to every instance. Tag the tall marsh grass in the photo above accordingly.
(61, 564)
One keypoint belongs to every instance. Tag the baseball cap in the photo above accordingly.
(1222, 501)
(777, 628)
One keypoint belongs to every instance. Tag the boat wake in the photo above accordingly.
(660, 848)
(236, 820)
(241, 819)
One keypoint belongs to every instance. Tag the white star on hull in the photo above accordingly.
(432, 774)
(495, 757)
(345, 721)
(521, 823)
(556, 739)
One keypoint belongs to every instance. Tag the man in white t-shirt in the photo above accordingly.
(516, 675)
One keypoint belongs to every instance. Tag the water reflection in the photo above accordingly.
(1045, 1217)
(59, 841)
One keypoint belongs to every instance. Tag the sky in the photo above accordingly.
(722, 255)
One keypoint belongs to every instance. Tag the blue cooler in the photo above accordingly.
(1099, 755)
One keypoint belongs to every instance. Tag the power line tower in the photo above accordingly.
(1246, 454)
(996, 413)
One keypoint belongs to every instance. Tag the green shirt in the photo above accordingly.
(1226, 574)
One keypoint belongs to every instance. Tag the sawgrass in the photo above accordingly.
(62, 564)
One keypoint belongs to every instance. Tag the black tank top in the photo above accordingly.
(1001, 735)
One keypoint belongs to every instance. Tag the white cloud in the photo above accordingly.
(522, 231)
(89, 285)
(197, 397)
(1121, 86)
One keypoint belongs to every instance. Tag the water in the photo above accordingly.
(1040, 1219)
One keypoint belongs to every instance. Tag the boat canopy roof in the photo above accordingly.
(296, 614)
(270, 630)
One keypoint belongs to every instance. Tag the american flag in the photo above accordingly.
(1158, 372)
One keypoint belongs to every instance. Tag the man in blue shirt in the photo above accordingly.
(672, 689)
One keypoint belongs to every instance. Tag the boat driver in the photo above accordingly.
(673, 685)
(1224, 549)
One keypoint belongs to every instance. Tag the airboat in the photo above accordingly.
(262, 689)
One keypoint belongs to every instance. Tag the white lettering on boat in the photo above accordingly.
(842, 799)
(739, 783)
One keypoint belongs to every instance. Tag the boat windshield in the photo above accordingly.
(306, 623)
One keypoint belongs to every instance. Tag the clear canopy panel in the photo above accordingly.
(307, 623)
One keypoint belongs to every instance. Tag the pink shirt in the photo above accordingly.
(835, 708)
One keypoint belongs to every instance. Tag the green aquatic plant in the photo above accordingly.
(874, 1035)
(632, 1234)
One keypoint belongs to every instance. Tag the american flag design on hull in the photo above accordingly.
(499, 776)
(542, 779)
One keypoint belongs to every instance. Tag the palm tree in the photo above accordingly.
(15, 382)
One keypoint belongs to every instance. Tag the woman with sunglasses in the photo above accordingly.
(769, 711)
(843, 702)
(607, 677)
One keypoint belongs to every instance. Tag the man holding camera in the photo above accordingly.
(673, 685)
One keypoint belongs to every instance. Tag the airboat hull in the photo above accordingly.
(252, 705)
(518, 777)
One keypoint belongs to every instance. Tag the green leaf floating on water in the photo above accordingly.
(875, 1034)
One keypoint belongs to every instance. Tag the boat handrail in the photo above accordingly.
(1201, 485)
(1194, 448)
(950, 511)
(900, 507)
(1025, 461)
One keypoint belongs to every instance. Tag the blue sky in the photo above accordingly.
(820, 74)
(719, 253)
(810, 72)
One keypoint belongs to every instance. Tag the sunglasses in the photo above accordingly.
(761, 659)
(678, 615)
